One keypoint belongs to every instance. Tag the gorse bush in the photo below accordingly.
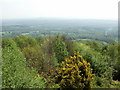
(75, 72)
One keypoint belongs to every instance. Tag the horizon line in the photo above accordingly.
(59, 18)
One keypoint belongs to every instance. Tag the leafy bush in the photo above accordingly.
(24, 41)
(40, 40)
(99, 63)
(33, 57)
(15, 74)
(117, 66)
(75, 72)
(100, 82)
(60, 49)
(69, 44)
(48, 56)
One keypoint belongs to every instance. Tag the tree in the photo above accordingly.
(24, 41)
(59, 48)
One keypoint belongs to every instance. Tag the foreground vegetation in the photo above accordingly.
(57, 62)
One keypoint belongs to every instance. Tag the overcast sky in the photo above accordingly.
(83, 9)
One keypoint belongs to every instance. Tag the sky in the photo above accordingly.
(83, 9)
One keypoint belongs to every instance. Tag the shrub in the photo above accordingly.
(99, 63)
(69, 44)
(60, 49)
(117, 66)
(48, 56)
(33, 57)
(24, 41)
(99, 82)
(15, 74)
(75, 72)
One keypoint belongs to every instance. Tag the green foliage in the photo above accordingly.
(38, 52)
(95, 45)
(8, 43)
(69, 45)
(15, 74)
(98, 61)
(112, 51)
(99, 82)
(117, 65)
(26, 60)
(75, 72)
(33, 57)
(24, 41)
(59, 48)
(40, 40)
(49, 59)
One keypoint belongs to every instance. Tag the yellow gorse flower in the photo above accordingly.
(73, 72)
